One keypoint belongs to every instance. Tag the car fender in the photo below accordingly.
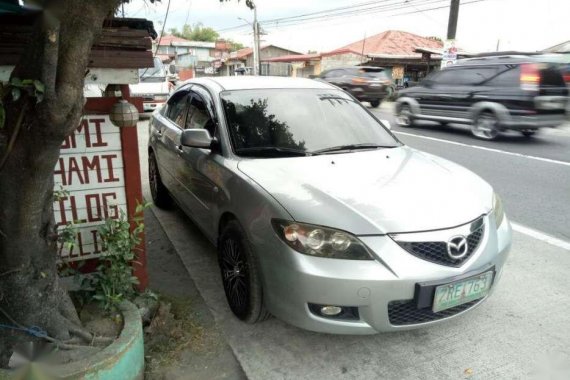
(413, 103)
(498, 109)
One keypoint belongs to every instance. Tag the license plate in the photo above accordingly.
(375, 85)
(463, 291)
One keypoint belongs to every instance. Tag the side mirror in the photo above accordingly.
(196, 138)
(172, 69)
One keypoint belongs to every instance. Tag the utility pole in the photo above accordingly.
(256, 53)
(453, 16)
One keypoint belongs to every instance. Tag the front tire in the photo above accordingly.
(159, 193)
(404, 116)
(240, 275)
(375, 103)
(486, 126)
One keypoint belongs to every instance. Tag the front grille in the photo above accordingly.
(436, 251)
(406, 312)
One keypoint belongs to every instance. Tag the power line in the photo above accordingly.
(159, 38)
(285, 25)
(332, 10)
(347, 11)
(368, 11)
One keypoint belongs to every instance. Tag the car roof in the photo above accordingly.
(247, 82)
(379, 68)
(500, 60)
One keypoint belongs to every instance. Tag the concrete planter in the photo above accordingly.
(123, 359)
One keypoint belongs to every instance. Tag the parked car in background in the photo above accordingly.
(492, 94)
(315, 210)
(154, 86)
(365, 83)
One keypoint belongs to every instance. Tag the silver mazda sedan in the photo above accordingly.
(320, 215)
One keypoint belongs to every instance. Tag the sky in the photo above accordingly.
(524, 25)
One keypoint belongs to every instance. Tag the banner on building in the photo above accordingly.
(449, 55)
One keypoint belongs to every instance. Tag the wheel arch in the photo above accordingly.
(411, 102)
(499, 110)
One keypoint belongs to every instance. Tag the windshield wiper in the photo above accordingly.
(349, 147)
(271, 151)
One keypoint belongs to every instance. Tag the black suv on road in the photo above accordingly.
(365, 83)
(492, 94)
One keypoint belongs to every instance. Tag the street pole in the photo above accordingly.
(453, 16)
(256, 56)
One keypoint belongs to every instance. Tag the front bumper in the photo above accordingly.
(292, 281)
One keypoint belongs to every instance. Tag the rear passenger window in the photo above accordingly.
(467, 75)
(508, 76)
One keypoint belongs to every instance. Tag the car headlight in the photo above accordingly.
(321, 241)
(498, 209)
(160, 98)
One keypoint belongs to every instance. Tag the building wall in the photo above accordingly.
(340, 60)
(269, 52)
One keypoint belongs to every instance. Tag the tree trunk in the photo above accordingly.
(57, 56)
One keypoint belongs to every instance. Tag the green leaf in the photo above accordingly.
(2, 116)
(39, 97)
(16, 82)
(39, 86)
(16, 93)
(27, 82)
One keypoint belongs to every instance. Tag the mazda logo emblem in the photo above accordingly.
(457, 247)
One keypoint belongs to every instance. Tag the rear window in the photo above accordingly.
(372, 73)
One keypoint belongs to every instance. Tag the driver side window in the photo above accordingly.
(177, 107)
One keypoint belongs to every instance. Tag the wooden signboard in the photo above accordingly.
(99, 171)
(91, 170)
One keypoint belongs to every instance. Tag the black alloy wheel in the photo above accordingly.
(240, 275)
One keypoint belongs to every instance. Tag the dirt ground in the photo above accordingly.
(183, 342)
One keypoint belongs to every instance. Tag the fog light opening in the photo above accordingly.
(331, 311)
(349, 313)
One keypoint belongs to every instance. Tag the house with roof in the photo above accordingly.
(202, 57)
(403, 54)
(243, 58)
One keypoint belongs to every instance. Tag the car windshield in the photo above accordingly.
(304, 120)
(153, 74)
(373, 73)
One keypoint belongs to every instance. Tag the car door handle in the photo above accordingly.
(158, 132)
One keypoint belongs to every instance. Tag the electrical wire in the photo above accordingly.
(360, 9)
(159, 38)
(359, 15)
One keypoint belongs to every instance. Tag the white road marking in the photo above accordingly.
(486, 149)
(541, 236)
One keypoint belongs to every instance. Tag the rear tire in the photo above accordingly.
(160, 195)
(375, 103)
(486, 126)
(404, 116)
(240, 275)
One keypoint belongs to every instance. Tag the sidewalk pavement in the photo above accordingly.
(206, 355)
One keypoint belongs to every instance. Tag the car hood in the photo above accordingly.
(373, 192)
